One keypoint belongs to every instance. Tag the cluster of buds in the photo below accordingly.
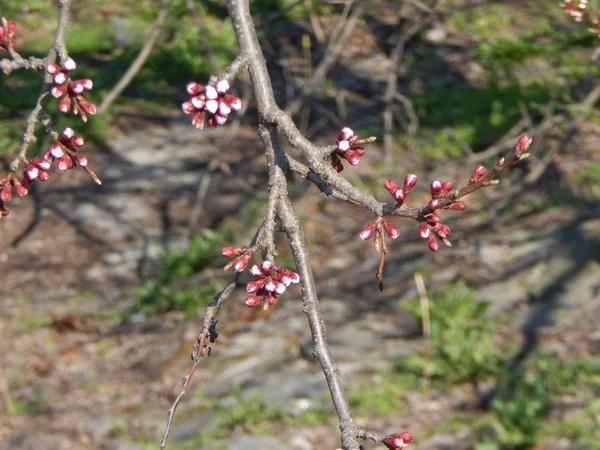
(390, 229)
(210, 103)
(575, 9)
(64, 152)
(71, 91)
(398, 440)
(243, 255)
(6, 188)
(347, 146)
(400, 193)
(8, 34)
(269, 282)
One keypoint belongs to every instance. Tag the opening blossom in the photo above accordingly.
(210, 104)
(270, 281)
(348, 147)
(8, 34)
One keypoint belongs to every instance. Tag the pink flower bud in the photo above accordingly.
(391, 230)
(77, 87)
(240, 264)
(56, 150)
(87, 83)
(188, 108)
(255, 270)
(212, 106)
(254, 285)
(343, 146)
(222, 86)
(198, 102)
(367, 232)
(270, 286)
(58, 91)
(211, 93)
(77, 141)
(433, 219)
(69, 65)
(60, 78)
(229, 251)
(41, 163)
(290, 275)
(53, 68)
(433, 204)
(43, 175)
(398, 441)
(64, 106)
(194, 88)
(400, 196)
(345, 134)
(234, 103)
(88, 107)
(81, 160)
(266, 267)
(224, 109)
(446, 187)
(337, 164)
(220, 120)
(391, 186)
(523, 143)
(67, 134)
(6, 193)
(353, 156)
(424, 230)
(31, 172)
(410, 181)
(253, 300)
(64, 163)
(436, 188)
(21, 190)
(432, 243)
(479, 172)
(458, 206)
(444, 229)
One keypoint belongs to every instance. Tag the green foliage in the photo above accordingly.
(160, 295)
(383, 396)
(462, 338)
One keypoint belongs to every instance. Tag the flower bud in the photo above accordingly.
(343, 145)
(345, 134)
(523, 143)
(432, 243)
(234, 103)
(433, 204)
(58, 91)
(64, 106)
(212, 106)
(424, 230)
(211, 93)
(479, 172)
(56, 150)
(188, 107)
(60, 78)
(436, 188)
(77, 141)
(53, 68)
(194, 88)
(266, 266)
(367, 232)
(433, 219)
(222, 86)
(21, 190)
(220, 120)
(391, 186)
(240, 264)
(410, 181)
(69, 65)
(391, 230)
(255, 285)
(43, 175)
(67, 134)
(398, 440)
(6, 193)
(444, 229)
(253, 300)
(31, 172)
(81, 160)
(446, 187)
(458, 206)
(229, 251)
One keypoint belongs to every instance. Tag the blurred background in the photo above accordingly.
(490, 344)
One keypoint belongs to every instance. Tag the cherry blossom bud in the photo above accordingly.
(253, 300)
(433, 204)
(234, 103)
(254, 285)
(60, 78)
(279, 288)
(53, 68)
(220, 120)
(77, 87)
(290, 275)
(88, 107)
(366, 233)
(436, 188)
(194, 88)
(433, 219)
(69, 65)
(336, 164)
(212, 106)
(391, 230)
(523, 143)
(21, 190)
(197, 102)
(391, 186)
(224, 109)
(229, 251)
(64, 163)
(58, 91)
(266, 266)
(41, 163)
(240, 264)
(67, 134)
(446, 187)
(400, 196)
(432, 243)
(211, 93)
(353, 156)
(398, 441)
(56, 150)
(87, 84)
(343, 146)
(479, 172)
(6, 193)
(255, 270)
(81, 160)
(43, 175)
(410, 181)
(188, 107)
(345, 134)
(444, 229)
(31, 172)
(424, 230)
(77, 141)
(458, 206)
(222, 86)
(64, 106)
